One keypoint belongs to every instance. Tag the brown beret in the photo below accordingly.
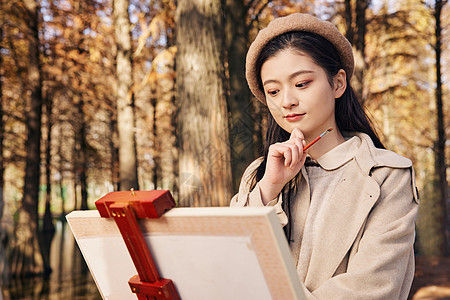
(296, 22)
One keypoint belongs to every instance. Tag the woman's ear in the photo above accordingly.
(340, 83)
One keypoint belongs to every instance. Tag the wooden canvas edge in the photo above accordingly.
(84, 214)
(287, 256)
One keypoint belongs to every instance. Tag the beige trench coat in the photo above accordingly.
(367, 247)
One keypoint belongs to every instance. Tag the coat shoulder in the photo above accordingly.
(387, 158)
(382, 164)
(370, 156)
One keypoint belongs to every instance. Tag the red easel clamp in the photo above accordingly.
(126, 208)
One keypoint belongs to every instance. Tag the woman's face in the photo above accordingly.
(298, 92)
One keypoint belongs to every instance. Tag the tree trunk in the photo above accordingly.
(441, 168)
(82, 153)
(239, 98)
(75, 191)
(27, 252)
(61, 170)
(359, 47)
(48, 228)
(205, 172)
(156, 154)
(349, 20)
(164, 110)
(113, 148)
(125, 98)
(165, 124)
(3, 236)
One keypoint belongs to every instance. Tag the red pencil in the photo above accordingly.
(318, 138)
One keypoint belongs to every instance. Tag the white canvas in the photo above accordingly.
(209, 253)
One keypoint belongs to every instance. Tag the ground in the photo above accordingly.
(432, 279)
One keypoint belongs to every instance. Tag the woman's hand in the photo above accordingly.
(284, 161)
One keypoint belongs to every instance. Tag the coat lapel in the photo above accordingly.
(349, 206)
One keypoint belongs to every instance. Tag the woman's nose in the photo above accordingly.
(289, 99)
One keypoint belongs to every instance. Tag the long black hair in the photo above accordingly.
(349, 114)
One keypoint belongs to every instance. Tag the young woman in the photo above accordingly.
(348, 206)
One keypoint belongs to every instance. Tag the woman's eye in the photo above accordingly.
(302, 84)
(272, 92)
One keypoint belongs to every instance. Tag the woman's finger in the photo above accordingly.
(287, 153)
(294, 154)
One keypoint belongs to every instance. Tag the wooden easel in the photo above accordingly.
(126, 208)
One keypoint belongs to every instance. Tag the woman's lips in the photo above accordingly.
(294, 117)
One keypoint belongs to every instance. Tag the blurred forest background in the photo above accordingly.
(105, 95)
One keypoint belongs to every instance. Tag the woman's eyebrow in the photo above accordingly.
(300, 72)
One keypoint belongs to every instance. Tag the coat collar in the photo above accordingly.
(340, 155)
(358, 145)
